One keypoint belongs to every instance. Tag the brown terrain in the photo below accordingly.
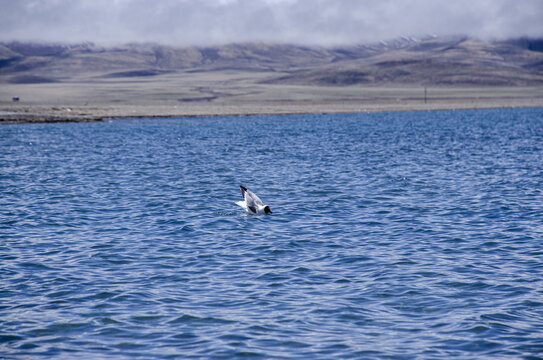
(86, 82)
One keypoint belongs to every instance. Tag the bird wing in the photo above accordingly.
(252, 202)
(243, 190)
(252, 199)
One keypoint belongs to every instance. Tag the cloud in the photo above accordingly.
(321, 22)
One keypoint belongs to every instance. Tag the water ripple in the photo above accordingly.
(405, 235)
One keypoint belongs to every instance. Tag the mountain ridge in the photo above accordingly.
(447, 61)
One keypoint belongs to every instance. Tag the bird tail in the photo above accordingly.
(242, 204)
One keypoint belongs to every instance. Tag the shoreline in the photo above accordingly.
(87, 102)
(41, 116)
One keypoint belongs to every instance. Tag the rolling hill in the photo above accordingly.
(432, 61)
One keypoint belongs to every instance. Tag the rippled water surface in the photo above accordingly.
(401, 235)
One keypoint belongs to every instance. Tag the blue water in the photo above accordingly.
(398, 235)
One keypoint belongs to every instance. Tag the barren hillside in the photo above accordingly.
(428, 62)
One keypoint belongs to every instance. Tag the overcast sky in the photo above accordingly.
(318, 22)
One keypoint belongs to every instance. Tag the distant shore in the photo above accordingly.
(86, 82)
(51, 114)
(60, 103)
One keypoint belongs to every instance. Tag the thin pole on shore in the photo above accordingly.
(425, 95)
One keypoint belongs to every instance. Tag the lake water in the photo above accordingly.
(397, 235)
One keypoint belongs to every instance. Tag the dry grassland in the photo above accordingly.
(92, 96)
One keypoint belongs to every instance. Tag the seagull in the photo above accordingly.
(252, 203)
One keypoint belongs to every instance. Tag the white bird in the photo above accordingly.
(252, 203)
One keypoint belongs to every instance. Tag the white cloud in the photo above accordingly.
(324, 22)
